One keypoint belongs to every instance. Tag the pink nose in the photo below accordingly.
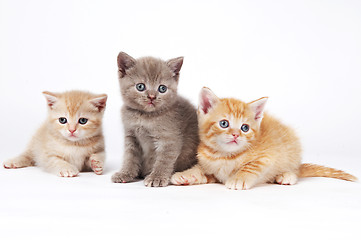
(151, 97)
(72, 131)
(235, 135)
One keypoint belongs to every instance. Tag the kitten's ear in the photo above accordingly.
(175, 65)
(51, 98)
(207, 100)
(124, 63)
(257, 107)
(100, 102)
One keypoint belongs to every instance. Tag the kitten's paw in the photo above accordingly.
(240, 182)
(156, 181)
(18, 162)
(10, 165)
(179, 178)
(122, 177)
(287, 178)
(96, 164)
(187, 178)
(70, 171)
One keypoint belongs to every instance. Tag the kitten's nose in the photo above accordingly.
(72, 130)
(151, 97)
(235, 135)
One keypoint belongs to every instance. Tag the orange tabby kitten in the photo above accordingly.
(241, 147)
(71, 139)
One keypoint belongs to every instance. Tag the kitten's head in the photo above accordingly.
(75, 115)
(228, 125)
(148, 84)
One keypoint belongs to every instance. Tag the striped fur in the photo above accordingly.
(313, 170)
(268, 152)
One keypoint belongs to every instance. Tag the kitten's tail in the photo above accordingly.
(314, 170)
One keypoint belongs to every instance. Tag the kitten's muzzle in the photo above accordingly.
(235, 135)
(151, 97)
(72, 131)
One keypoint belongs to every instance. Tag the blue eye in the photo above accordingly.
(162, 89)
(140, 87)
(245, 128)
(63, 120)
(224, 124)
(83, 121)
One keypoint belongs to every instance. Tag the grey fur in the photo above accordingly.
(161, 138)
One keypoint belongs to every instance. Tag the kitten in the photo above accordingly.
(71, 138)
(161, 128)
(241, 147)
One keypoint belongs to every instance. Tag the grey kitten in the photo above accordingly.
(161, 128)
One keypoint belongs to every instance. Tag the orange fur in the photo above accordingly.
(313, 170)
(268, 152)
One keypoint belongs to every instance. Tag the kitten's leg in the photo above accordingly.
(287, 178)
(24, 160)
(167, 153)
(59, 166)
(96, 162)
(194, 175)
(248, 175)
(131, 161)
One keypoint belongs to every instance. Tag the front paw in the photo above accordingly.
(180, 178)
(10, 165)
(96, 163)
(241, 182)
(18, 162)
(156, 181)
(69, 171)
(122, 177)
(188, 178)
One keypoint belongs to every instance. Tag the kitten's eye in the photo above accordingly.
(162, 89)
(245, 128)
(224, 124)
(83, 120)
(63, 120)
(140, 87)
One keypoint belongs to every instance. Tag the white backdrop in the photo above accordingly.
(304, 55)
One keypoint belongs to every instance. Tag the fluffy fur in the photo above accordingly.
(67, 148)
(161, 130)
(266, 151)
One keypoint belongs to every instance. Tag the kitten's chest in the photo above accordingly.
(75, 155)
(71, 152)
(145, 138)
(222, 169)
(134, 120)
(147, 132)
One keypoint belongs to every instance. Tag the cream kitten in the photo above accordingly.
(71, 138)
(241, 147)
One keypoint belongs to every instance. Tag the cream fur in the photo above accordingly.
(57, 150)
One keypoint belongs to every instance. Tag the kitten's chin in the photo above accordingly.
(73, 138)
(154, 107)
(143, 107)
(232, 146)
(150, 107)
